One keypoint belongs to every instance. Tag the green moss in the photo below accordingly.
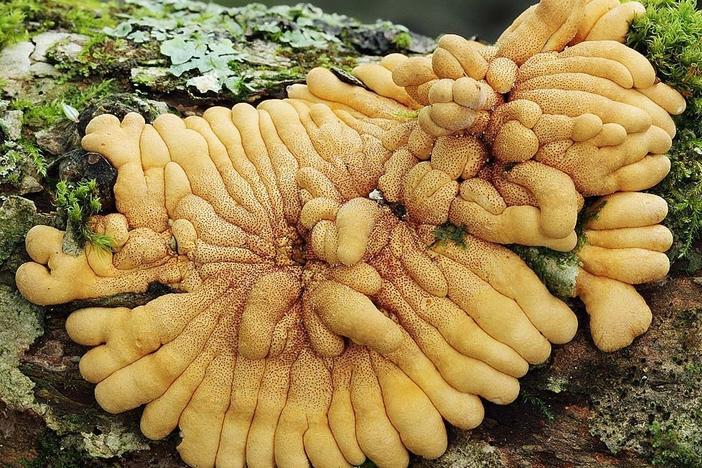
(673, 445)
(693, 370)
(35, 155)
(403, 40)
(48, 110)
(21, 18)
(669, 35)
(77, 203)
(557, 270)
(12, 28)
(51, 452)
(537, 404)
(448, 232)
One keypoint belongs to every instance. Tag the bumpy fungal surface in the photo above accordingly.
(313, 324)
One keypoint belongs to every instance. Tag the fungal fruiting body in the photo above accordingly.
(312, 324)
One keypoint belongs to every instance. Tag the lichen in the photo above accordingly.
(111, 442)
(467, 452)
(556, 384)
(654, 408)
(20, 325)
(67, 440)
(139, 65)
(558, 270)
(206, 48)
(17, 216)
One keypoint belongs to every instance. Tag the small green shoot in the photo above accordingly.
(77, 203)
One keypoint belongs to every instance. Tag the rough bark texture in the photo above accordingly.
(60, 65)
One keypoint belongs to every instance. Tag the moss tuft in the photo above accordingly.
(77, 203)
(12, 28)
(19, 19)
(51, 452)
(48, 112)
(448, 232)
(403, 40)
(557, 270)
(669, 35)
(537, 404)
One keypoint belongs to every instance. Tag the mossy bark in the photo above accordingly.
(64, 61)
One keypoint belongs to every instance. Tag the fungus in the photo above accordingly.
(312, 323)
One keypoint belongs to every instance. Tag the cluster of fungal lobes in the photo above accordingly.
(312, 324)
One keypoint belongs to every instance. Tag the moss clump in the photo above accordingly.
(403, 40)
(19, 19)
(77, 203)
(448, 232)
(670, 36)
(12, 28)
(51, 452)
(673, 445)
(46, 111)
(557, 270)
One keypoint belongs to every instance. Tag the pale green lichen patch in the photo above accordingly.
(113, 441)
(556, 384)
(557, 270)
(21, 163)
(652, 402)
(20, 325)
(17, 216)
(465, 451)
